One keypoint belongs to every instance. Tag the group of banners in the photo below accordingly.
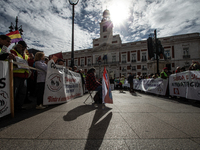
(62, 85)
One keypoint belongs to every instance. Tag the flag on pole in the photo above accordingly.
(15, 36)
(106, 90)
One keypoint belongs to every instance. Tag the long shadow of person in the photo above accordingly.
(98, 129)
(78, 111)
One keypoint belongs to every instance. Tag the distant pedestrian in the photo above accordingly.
(130, 81)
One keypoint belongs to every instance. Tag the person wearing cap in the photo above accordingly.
(60, 62)
(5, 41)
(20, 75)
(163, 74)
(178, 69)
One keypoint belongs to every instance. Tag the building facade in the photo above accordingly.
(123, 58)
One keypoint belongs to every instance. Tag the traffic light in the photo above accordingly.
(150, 47)
(161, 50)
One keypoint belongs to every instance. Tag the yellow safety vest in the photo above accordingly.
(164, 74)
(19, 70)
(122, 80)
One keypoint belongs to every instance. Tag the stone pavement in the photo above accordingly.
(133, 122)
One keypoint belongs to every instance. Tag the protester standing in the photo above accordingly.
(112, 83)
(41, 76)
(83, 79)
(121, 82)
(20, 75)
(130, 81)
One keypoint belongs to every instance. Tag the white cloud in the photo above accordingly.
(47, 24)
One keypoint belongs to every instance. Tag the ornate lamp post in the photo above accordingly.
(16, 27)
(73, 3)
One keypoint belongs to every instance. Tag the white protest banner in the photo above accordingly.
(4, 89)
(194, 86)
(61, 84)
(22, 63)
(137, 84)
(185, 84)
(157, 86)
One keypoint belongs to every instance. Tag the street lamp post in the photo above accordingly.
(16, 27)
(99, 62)
(73, 3)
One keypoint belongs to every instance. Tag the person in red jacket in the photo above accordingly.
(92, 84)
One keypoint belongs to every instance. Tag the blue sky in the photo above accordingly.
(47, 24)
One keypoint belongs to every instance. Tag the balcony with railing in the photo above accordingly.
(134, 60)
(144, 68)
(123, 70)
(144, 59)
(123, 62)
(133, 69)
(186, 56)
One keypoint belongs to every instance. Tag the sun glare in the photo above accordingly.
(118, 12)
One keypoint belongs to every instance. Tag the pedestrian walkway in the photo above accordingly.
(133, 122)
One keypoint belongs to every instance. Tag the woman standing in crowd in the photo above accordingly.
(41, 76)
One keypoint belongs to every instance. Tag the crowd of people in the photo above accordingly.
(27, 80)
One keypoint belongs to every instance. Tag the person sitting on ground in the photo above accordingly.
(92, 84)
(5, 41)
(41, 76)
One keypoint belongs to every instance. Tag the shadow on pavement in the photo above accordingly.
(23, 114)
(98, 129)
(99, 124)
(78, 111)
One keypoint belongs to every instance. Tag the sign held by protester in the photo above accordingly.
(61, 84)
(4, 89)
(156, 86)
(185, 84)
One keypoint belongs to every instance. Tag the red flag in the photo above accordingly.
(106, 90)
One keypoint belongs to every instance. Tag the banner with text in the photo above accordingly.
(157, 86)
(185, 84)
(4, 89)
(61, 84)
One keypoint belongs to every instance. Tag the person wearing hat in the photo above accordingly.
(163, 74)
(20, 75)
(60, 62)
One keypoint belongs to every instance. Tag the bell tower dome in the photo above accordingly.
(106, 25)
